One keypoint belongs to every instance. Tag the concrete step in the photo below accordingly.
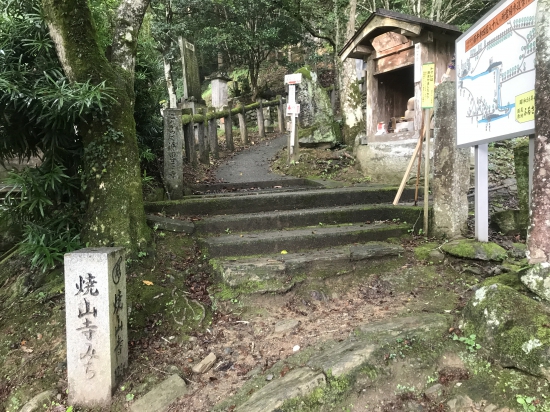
(255, 186)
(261, 202)
(278, 273)
(300, 239)
(278, 220)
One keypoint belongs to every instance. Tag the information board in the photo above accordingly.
(495, 70)
(428, 85)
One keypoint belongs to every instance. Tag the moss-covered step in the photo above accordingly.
(251, 186)
(296, 240)
(278, 273)
(261, 202)
(277, 220)
(172, 225)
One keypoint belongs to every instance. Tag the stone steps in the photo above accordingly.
(279, 220)
(235, 203)
(267, 185)
(301, 239)
(270, 241)
(279, 273)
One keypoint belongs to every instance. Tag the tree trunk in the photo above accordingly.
(111, 175)
(539, 228)
(350, 93)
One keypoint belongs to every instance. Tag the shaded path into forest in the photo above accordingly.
(253, 164)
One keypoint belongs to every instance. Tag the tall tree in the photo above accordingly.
(538, 236)
(456, 12)
(247, 32)
(111, 174)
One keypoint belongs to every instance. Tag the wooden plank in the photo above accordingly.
(394, 50)
(387, 41)
(372, 98)
(395, 61)
(409, 167)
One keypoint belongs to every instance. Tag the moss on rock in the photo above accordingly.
(472, 249)
(511, 327)
(423, 252)
(537, 279)
(510, 279)
(316, 123)
(305, 72)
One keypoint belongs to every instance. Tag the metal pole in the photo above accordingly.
(482, 192)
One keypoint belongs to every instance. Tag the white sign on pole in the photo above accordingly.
(292, 94)
(295, 78)
(495, 70)
(292, 108)
(417, 62)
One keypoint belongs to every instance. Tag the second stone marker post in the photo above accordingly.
(97, 326)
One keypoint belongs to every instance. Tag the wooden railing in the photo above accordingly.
(207, 130)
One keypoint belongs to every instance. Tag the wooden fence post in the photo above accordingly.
(260, 118)
(189, 136)
(242, 126)
(213, 136)
(204, 156)
(281, 114)
(228, 125)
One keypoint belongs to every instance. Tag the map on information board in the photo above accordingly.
(495, 71)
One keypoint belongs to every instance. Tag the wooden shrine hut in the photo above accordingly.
(394, 46)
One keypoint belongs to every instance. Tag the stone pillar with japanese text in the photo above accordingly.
(96, 323)
(173, 153)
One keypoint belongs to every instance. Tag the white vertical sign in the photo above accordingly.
(417, 62)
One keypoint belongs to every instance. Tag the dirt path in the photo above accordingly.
(252, 164)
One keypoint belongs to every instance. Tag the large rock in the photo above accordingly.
(507, 222)
(472, 249)
(537, 279)
(316, 123)
(511, 327)
(298, 382)
(37, 403)
(385, 162)
(161, 396)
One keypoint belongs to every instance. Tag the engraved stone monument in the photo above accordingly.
(219, 90)
(97, 328)
(173, 152)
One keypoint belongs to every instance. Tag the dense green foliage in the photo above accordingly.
(246, 32)
(40, 110)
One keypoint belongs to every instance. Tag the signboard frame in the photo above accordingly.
(478, 33)
(295, 78)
